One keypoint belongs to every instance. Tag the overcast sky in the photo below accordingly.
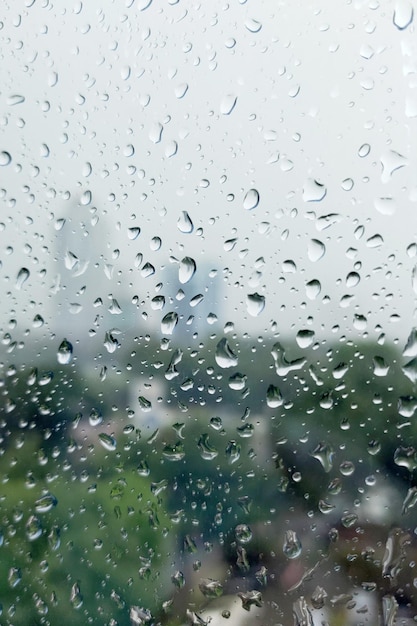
(155, 108)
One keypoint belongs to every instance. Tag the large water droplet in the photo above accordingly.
(302, 614)
(251, 199)
(313, 288)
(253, 25)
(410, 349)
(403, 14)
(305, 338)
(313, 191)
(224, 355)
(207, 451)
(410, 500)
(64, 353)
(282, 366)
(169, 322)
(274, 398)
(316, 250)
(228, 104)
(14, 577)
(45, 503)
(255, 304)
(22, 276)
(5, 158)
(389, 610)
(395, 553)
(324, 453)
(76, 598)
(186, 270)
(108, 441)
(210, 588)
(184, 223)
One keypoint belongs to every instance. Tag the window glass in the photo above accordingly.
(208, 267)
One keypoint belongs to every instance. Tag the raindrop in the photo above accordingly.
(243, 533)
(33, 528)
(14, 577)
(255, 304)
(410, 370)
(233, 451)
(174, 452)
(64, 353)
(147, 270)
(302, 614)
(305, 338)
(186, 270)
(5, 158)
(395, 555)
(169, 322)
(273, 397)
(184, 223)
(181, 90)
(155, 132)
(313, 289)
(207, 451)
(86, 198)
(171, 149)
(76, 598)
(253, 25)
(313, 191)
(379, 366)
(133, 233)
(15, 99)
(410, 500)
(228, 104)
(410, 349)
(389, 610)
(324, 453)
(45, 503)
(178, 579)
(316, 250)
(251, 199)
(282, 366)
(145, 404)
(292, 545)
(210, 588)
(22, 276)
(107, 441)
(403, 14)
(224, 355)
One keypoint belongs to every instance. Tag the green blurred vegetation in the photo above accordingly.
(137, 496)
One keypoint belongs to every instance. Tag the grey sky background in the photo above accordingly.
(155, 108)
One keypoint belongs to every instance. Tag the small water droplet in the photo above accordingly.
(64, 353)
(76, 597)
(33, 528)
(251, 199)
(133, 233)
(313, 289)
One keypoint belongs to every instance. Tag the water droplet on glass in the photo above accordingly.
(155, 132)
(282, 366)
(145, 404)
(243, 533)
(302, 614)
(207, 451)
(395, 553)
(250, 598)
(274, 398)
(313, 289)
(64, 353)
(316, 250)
(233, 451)
(169, 322)
(107, 441)
(255, 304)
(76, 598)
(22, 276)
(410, 500)
(224, 355)
(389, 610)
(403, 14)
(33, 528)
(45, 503)
(253, 25)
(313, 191)
(5, 158)
(228, 104)
(380, 368)
(178, 579)
(174, 452)
(15, 99)
(410, 349)
(184, 223)
(210, 588)
(305, 338)
(133, 233)
(292, 545)
(324, 453)
(251, 199)
(14, 577)
(186, 270)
